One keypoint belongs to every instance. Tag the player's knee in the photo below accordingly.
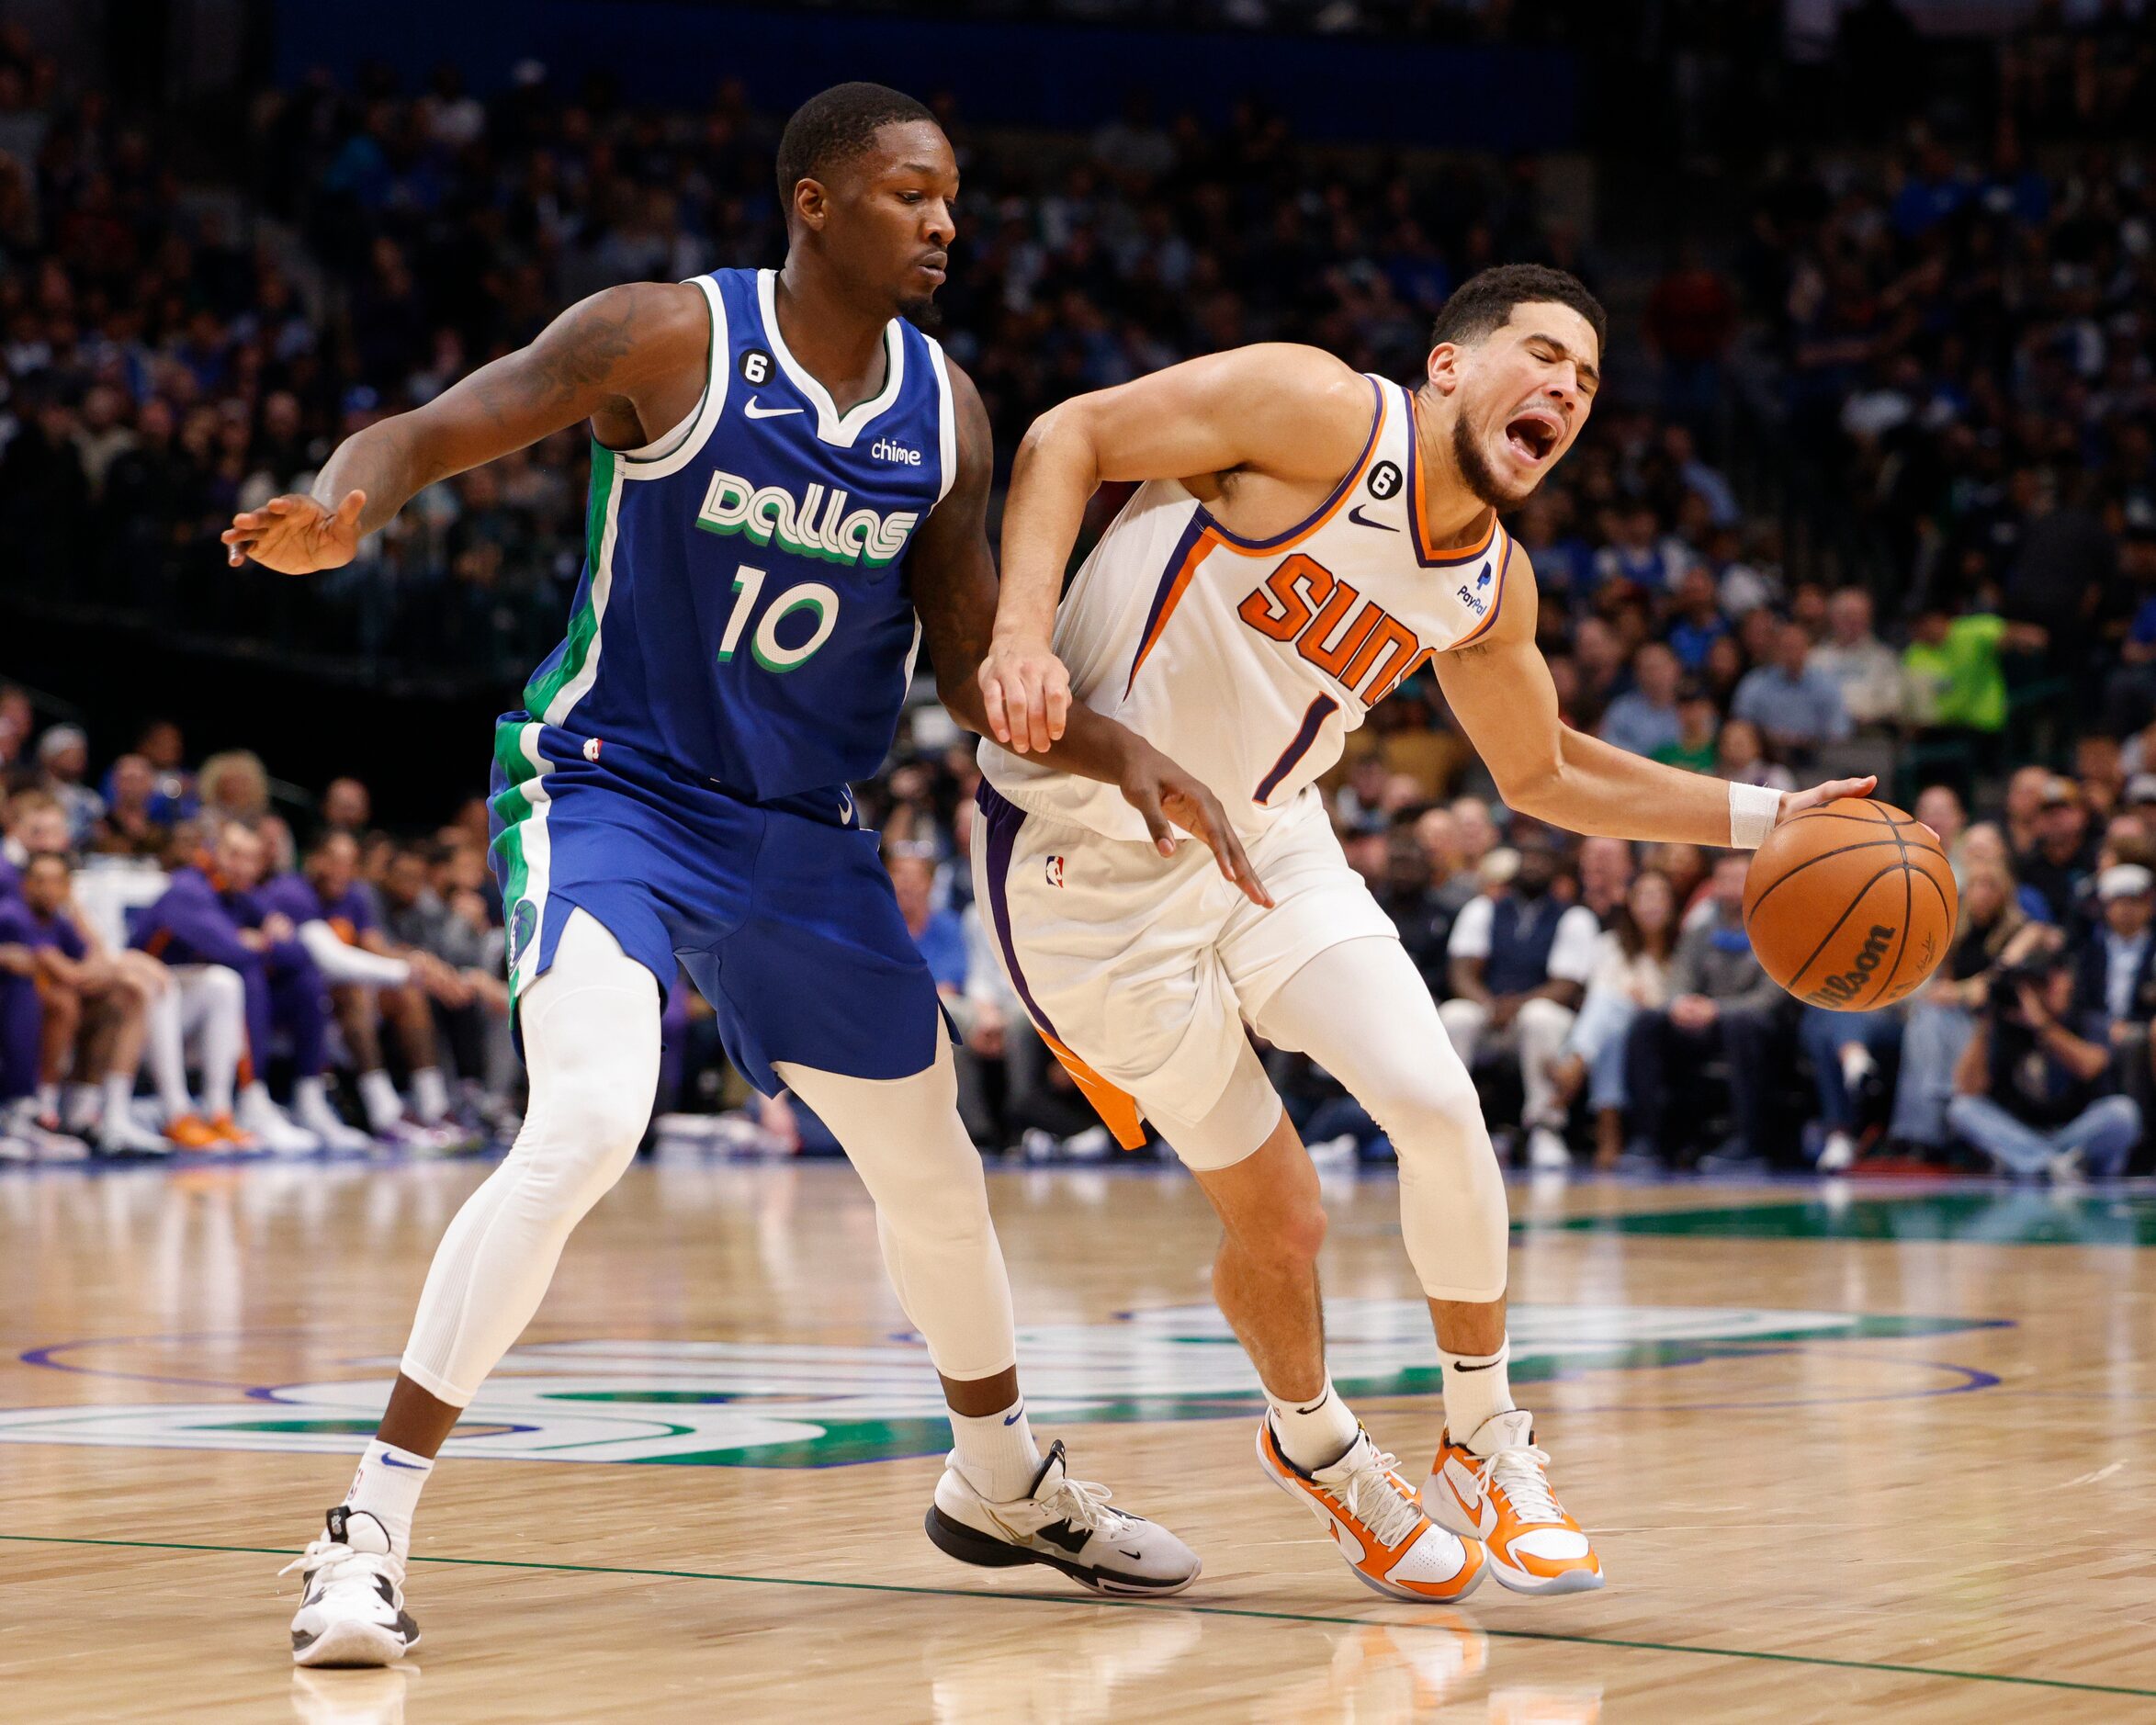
(1429, 1111)
(1288, 1235)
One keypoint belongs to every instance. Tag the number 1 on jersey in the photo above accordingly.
(748, 583)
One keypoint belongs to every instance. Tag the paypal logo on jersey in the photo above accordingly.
(813, 525)
(884, 449)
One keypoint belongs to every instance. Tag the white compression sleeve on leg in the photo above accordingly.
(1361, 1012)
(904, 1138)
(590, 1036)
(164, 1051)
(224, 1035)
(339, 961)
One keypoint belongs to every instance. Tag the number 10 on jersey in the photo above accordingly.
(763, 641)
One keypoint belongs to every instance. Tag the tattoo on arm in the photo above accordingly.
(565, 363)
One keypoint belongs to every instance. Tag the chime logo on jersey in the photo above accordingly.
(790, 1403)
(816, 523)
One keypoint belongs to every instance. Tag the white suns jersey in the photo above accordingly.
(1248, 661)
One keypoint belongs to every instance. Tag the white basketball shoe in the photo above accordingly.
(354, 1612)
(1064, 1523)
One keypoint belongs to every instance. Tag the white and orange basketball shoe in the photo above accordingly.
(1494, 1488)
(1372, 1515)
(1063, 1523)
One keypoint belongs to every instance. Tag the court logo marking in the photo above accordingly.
(813, 1404)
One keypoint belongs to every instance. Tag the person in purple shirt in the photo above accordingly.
(63, 995)
(374, 981)
(214, 916)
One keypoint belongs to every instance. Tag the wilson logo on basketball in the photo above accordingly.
(1838, 990)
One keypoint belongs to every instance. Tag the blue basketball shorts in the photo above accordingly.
(782, 914)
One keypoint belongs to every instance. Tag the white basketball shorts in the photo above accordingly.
(1139, 969)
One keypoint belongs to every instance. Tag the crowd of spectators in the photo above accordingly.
(1881, 496)
(162, 931)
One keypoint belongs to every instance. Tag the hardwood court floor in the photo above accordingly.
(1870, 1455)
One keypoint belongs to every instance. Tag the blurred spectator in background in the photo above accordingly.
(1645, 718)
(1520, 960)
(2034, 1089)
(1721, 1004)
(2060, 860)
(1798, 710)
(1632, 961)
(63, 762)
(1865, 669)
(2115, 983)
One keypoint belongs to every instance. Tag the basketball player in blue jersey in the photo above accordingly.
(789, 486)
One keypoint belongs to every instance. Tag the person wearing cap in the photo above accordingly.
(2062, 858)
(63, 762)
(2115, 974)
(2033, 1090)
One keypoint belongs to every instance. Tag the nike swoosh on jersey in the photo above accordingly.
(1361, 520)
(754, 411)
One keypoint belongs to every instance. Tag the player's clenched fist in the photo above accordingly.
(1027, 693)
(296, 535)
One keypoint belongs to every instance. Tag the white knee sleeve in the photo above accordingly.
(904, 1138)
(1361, 1012)
(591, 1038)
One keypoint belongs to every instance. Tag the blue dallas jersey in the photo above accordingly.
(744, 613)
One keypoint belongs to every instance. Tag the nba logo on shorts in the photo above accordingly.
(590, 749)
(1055, 871)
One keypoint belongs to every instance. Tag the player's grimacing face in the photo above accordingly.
(891, 212)
(1522, 394)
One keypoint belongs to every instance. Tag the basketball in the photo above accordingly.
(1850, 906)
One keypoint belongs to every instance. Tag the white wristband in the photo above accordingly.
(1752, 810)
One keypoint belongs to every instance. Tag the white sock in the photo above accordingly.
(430, 1096)
(120, 1099)
(1313, 1434)
(378, 1097)
(48, 1099)
(388, 1486)
(996, 1452)
(1477, 1388)
(1857, 1064)
(166, 1055)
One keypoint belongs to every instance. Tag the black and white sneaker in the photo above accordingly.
(1064, 1523)
(353, 1610)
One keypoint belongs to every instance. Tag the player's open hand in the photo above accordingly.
(1027, 693)
(296, 535)
(1797, 802)
(1168, 797)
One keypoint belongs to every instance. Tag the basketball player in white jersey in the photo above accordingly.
(1304, 538)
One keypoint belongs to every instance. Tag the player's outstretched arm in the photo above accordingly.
(954, 579)
(594, 361)
(1500, 691)
(1295, 413)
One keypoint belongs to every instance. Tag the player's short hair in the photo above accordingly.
(836, 126)
(1483, 302)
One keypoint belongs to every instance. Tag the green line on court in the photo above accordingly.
(1142, 1604)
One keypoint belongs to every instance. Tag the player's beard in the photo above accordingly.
(924, 313)
(1475, 471)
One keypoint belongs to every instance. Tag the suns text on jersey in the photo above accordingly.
(1367, 652)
